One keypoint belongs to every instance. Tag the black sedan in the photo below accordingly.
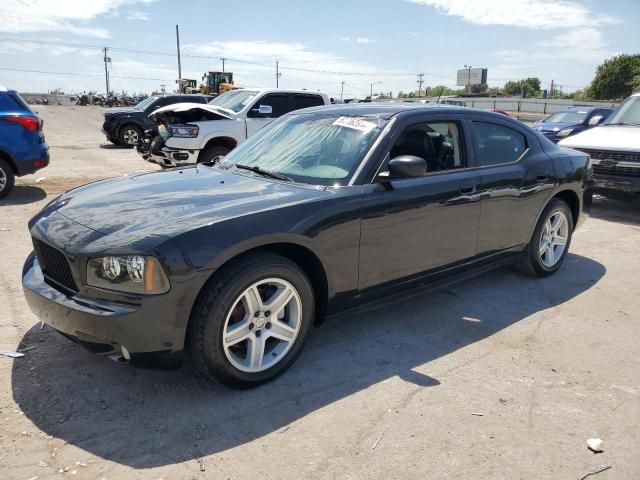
(324, 210)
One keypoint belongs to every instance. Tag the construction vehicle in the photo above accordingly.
(187, 85)
(215, 83)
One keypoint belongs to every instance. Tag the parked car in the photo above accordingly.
(501, 112)
(614, 148)
(23, 150)
(570, 121)
(126, 125)
(324, 210)
(190, 133)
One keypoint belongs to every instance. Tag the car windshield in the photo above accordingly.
(235, 100)
(567, 117)
(628, 112)
(309, 148)
(145, 103)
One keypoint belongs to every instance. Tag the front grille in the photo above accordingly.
(54, 265)
(611, 155)
(613, 162)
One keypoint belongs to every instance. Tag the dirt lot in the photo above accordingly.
(503, 377)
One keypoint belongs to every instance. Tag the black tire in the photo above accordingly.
(531, 262)
(214, 303)
(7, 178)
(213, 154)
(127, 133)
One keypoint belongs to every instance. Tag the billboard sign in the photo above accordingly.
(473, 76)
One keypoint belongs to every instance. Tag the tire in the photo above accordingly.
(7, 178)
(129, 136)
(537, 259)
(224, 326)
(213, 154)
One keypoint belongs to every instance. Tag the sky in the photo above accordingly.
(318, 44)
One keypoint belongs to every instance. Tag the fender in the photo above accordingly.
(218, 134)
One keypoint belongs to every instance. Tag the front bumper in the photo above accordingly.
(171, 157)
(605, 183)
(135, 328)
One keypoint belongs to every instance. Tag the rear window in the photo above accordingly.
(12, 101)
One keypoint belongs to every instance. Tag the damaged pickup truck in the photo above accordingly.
(190, 133)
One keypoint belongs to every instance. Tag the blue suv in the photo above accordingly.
(22, 146)
(570, 121)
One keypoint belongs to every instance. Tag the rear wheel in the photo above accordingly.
(213, 154)
(550, 242)
(129, 136)
(7, 178)
(251, 320)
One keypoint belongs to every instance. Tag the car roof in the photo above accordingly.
(282, 90)
(387, 110)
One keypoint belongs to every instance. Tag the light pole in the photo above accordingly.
(374, 83)
(468, 67)
(342, 89)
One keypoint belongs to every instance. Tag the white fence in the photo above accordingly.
(528, 105)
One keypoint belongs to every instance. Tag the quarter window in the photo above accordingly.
(306, 101)
(498, 144)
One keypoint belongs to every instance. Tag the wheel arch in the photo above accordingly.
(6, 156)
(127, 123)
(570, 198)
(302, 255)
(224, 140)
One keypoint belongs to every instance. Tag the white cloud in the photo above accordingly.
(345, 39)
(70, 16)
(413, 34)
(143, 16)
(536, 14)
(365, 40)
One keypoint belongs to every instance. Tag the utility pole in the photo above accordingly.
(420, 82)
(468, 67)
(374, 83)
(178, 45)
(107, 59)
(278, 74)
(551, 89)
(223, 60)
(342, 89)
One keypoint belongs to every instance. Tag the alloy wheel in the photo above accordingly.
(131, 136)
(3, 179)
(553, 241)
(262, 325)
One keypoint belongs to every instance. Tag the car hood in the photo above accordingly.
(111, 111)
(550, 127)
(189, 107)
(171, 202)
(624, 138)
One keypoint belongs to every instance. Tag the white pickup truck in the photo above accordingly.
(190, 133)
(614, 148)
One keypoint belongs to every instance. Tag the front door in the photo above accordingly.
(417, 226)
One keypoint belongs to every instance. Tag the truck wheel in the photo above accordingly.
(213, 154)
(251, 320)
(7, 178)
(129, 136)
(550, 242)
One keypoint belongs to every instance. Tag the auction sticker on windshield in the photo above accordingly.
(356, 123)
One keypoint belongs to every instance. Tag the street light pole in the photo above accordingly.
(374, 83)
(342, 90)
(468, 67)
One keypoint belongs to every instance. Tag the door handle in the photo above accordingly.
(467, 188)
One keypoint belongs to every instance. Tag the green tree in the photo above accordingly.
(530, 85)
(617, 77)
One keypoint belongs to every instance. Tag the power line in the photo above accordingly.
(83, 74)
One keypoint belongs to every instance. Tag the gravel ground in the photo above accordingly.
(500, 377)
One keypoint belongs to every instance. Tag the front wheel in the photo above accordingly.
(550, 242)
(212, 155)
(251, 320)
(129, 136)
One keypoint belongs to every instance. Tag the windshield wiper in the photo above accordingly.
(262, 171)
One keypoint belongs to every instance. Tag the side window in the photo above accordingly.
(279, 104)
(7, 103)
(498, 144)
(439, 143)
(306, 101)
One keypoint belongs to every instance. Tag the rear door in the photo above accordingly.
(516, 179)
(412, 228)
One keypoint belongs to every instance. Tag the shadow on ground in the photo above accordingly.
(619, 211)
(113, 146)
(146, 418)
(24, 194)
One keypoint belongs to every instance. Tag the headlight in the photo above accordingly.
(184, 131)
(128, 273)
(564, 133)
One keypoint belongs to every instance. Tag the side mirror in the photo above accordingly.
(404, 166)
(595, 120)
(262, 111)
